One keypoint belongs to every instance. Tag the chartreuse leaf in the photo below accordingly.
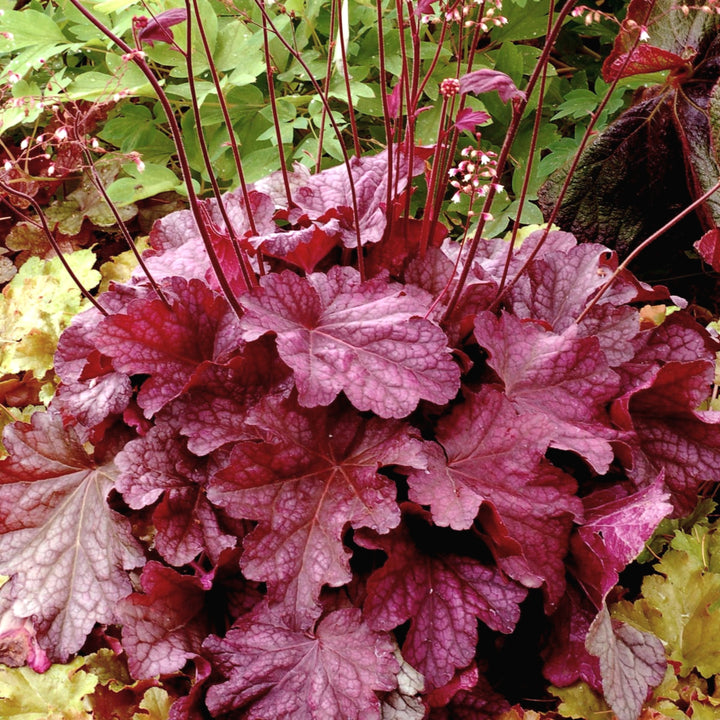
(580, 701)
(56, 694)
(155, 705)
(36, 306)
(679, 603)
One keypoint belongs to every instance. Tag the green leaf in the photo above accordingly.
(679, 602)
(578, 103)
(153, 180)
(56, 694)
(36, 306)
(29, 28)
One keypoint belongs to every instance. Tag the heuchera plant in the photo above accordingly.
(316, 459)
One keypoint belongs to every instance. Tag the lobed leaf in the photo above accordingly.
(66, 550)
(367, 339)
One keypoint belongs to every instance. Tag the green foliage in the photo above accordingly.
(36, 306)
(57, 694)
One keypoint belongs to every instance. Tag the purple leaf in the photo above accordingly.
(494, 457)
(66, 550)
(671, 436)
(487, 80)
(447, 595)
(315, 474)
(275, 671)
(564, 377)
(366, 339)
(158, 27)
(614, 533)
(168, 343)
(469, 119)
(632, 663)
(159, 464)
(163, 626)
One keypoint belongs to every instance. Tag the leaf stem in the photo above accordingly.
(644, 244)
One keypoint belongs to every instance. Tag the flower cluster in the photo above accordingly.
(475, 174)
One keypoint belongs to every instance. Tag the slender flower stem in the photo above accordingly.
(502, 292)
(343, 149)
(226, 117)
(386, 117)
(43, 225)
(246, 270)
(519, 106)
(346, 76)
(137, 58)
(97, 182)
(529, 168)
(273, 105)
(326, 88)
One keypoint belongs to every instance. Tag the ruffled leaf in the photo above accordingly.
(366, 339)
(66, 550)
(276, 671)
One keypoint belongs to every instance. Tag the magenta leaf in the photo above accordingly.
(275, 671)
(338, 333)
(315, 474)
(66, 550)
(563, 376)
(709, 248)
(324, 195)
(168, 343)
(671, 435)
(632, 663)
(163, 626)
(487, 80)
(158, 28)
(494, 457)
(469, 119)
(614, 533)
(447, 595)
(186, 523)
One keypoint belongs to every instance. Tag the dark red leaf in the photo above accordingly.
(168, 343)
(709, 248)
(276, 671)
(164, 626)
(315, 474)
(643, 59)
